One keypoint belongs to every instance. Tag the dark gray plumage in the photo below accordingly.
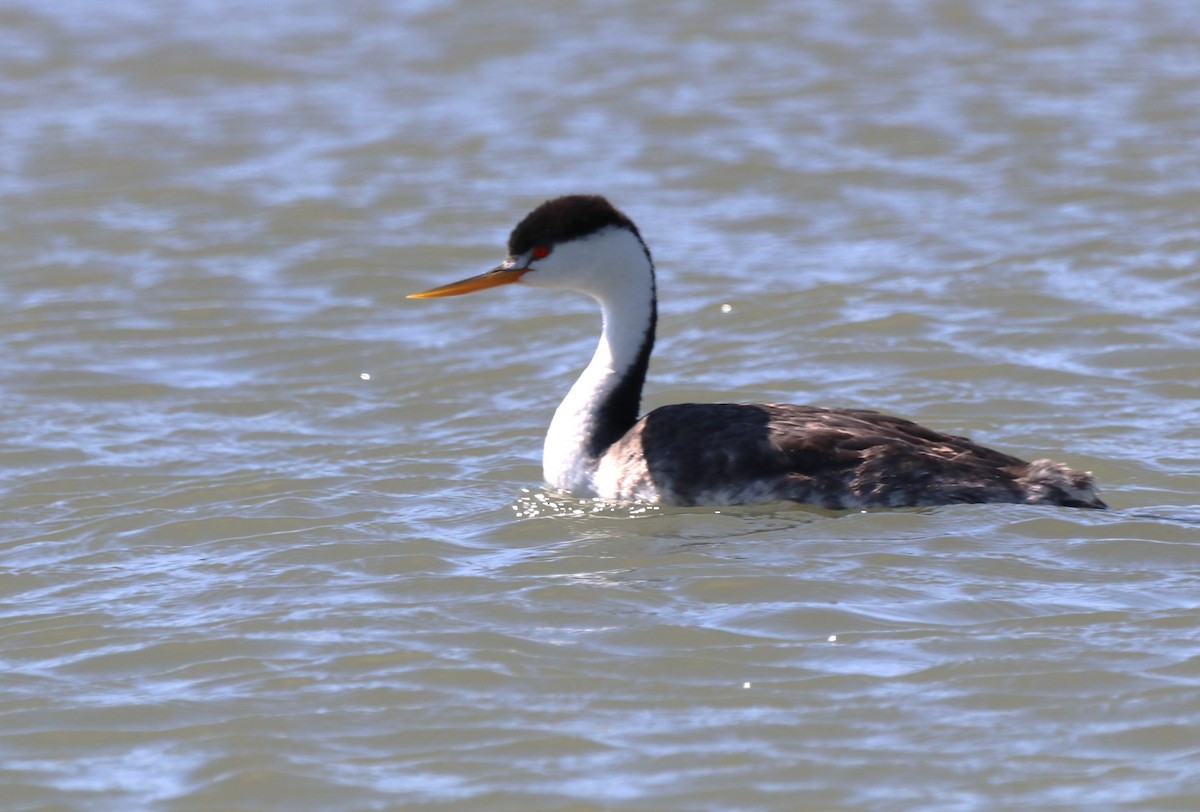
(837, 458)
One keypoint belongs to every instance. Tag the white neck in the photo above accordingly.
(612, 268)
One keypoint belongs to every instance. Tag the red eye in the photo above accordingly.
(540, 251)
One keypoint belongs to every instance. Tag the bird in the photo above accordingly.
(697, 454)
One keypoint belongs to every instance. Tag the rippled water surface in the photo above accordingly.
(272, 536)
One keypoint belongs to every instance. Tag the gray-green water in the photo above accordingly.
(236, 574)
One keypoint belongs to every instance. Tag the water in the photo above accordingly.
(238, 574)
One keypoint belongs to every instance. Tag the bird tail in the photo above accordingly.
(1047, 482)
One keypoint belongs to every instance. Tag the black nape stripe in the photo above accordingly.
(620, 409)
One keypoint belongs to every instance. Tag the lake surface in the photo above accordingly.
(273, 537)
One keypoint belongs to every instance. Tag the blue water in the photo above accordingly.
(273, 536)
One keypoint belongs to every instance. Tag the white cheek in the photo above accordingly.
(546, 273)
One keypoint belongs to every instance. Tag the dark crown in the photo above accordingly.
(564, 219)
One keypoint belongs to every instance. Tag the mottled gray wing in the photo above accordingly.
(832, 457)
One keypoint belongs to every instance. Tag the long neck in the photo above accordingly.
(603, 404)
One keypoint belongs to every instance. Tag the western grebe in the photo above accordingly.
(727, 453)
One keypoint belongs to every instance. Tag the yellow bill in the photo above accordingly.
(493, 278)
